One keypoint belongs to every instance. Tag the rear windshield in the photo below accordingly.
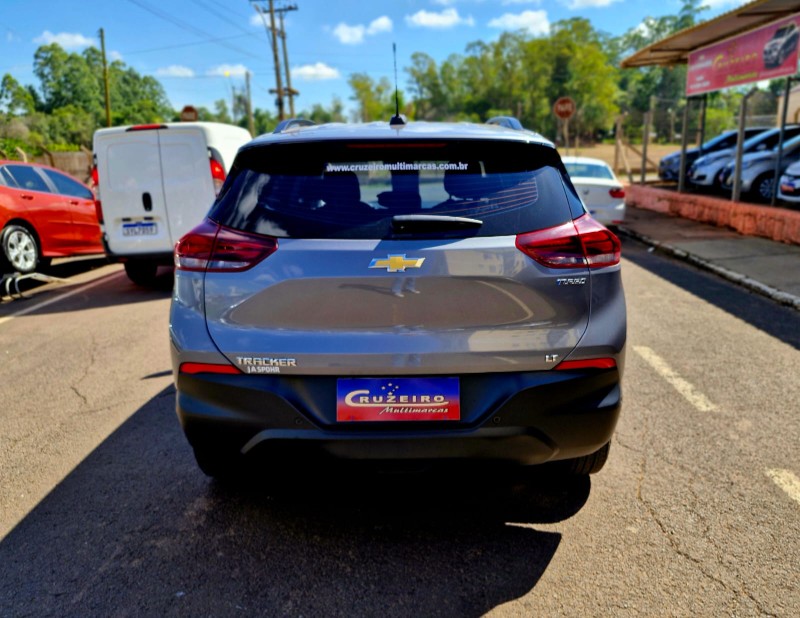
(354, 189)
(588, 170)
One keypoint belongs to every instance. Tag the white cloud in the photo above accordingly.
(67, 40)
(589, 4)
(448, 18)
(509, 2)
(175, 70)
(535, 22)
(315, 72)
(114, 55)
(227, 70)
(382, 24)
(349, 35)
(445, 2)
(256, 20)
(354, 35)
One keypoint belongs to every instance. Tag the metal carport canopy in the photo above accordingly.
(676, 48)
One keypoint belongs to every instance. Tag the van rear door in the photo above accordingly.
(188, 186)
(155, 185)
(131, 191)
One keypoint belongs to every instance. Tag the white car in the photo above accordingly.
(599, 188)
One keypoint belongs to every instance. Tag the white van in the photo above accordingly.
(155, 183)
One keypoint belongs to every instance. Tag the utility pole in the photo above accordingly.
(290, 92)
(251, 125)
(105, 76)
(273, 33)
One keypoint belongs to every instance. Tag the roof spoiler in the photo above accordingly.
(291, 123)
(509, 122)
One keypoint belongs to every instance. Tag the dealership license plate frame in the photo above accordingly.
(398, 399)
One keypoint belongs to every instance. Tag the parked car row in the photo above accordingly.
(711, 167)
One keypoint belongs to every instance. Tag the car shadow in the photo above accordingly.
(118, 291)
(136, 529)
(758, 311)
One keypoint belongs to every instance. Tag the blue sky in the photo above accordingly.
(200, 49)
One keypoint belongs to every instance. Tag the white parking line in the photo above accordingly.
(689, 392)
(787, 481)
(58, 298)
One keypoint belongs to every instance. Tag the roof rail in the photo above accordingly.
(508, 122)
(290, 123)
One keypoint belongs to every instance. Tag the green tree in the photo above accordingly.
(375, 100)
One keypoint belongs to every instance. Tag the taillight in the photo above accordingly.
(98, 211)
(95, 177)
(601, 246)
(217, 175)
(617, 193)
(575, 244)
(147, 127)
(591, 363)
(213, 248)
(193, 368)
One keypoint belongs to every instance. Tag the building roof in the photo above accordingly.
(675, 49)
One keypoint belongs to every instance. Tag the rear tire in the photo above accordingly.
(141, 272)
(20, 249)
(588, 464)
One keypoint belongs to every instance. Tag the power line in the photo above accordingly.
(224, 17)
(186, 26)
(166, 47)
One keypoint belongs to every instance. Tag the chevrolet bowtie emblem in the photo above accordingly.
(397, 263)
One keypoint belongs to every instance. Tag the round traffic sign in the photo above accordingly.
(564, 107)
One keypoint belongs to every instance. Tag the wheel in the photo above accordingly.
(20, 249)
(761, 190)
(141, 272)
(588, 464)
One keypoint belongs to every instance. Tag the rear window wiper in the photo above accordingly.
(422, 224)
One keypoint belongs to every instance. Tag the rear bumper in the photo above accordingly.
(160, 257)
(527, 418)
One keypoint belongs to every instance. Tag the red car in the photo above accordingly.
(44, 213)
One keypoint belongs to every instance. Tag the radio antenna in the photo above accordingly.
(397, 119)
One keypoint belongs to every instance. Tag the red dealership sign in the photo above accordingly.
(766, 53)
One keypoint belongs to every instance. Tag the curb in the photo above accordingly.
(783, 298)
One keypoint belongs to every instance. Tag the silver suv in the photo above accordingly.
(382, 291)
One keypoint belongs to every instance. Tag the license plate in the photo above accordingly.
(141, 228)
(397, 399)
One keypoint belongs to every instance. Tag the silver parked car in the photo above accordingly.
(789, 184)
(758, 171)
(424, 291)
(705, 172)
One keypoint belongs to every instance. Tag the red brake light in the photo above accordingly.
(146, 127)
(193, 368)
(212, 248)
(576, 244)
(617, 193)
(555, 247)
(601, 246)
(591, 363)
(217, 175)
(95, 177)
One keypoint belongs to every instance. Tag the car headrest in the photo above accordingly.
(341, 187)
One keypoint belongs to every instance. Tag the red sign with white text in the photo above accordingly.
(766, 53)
